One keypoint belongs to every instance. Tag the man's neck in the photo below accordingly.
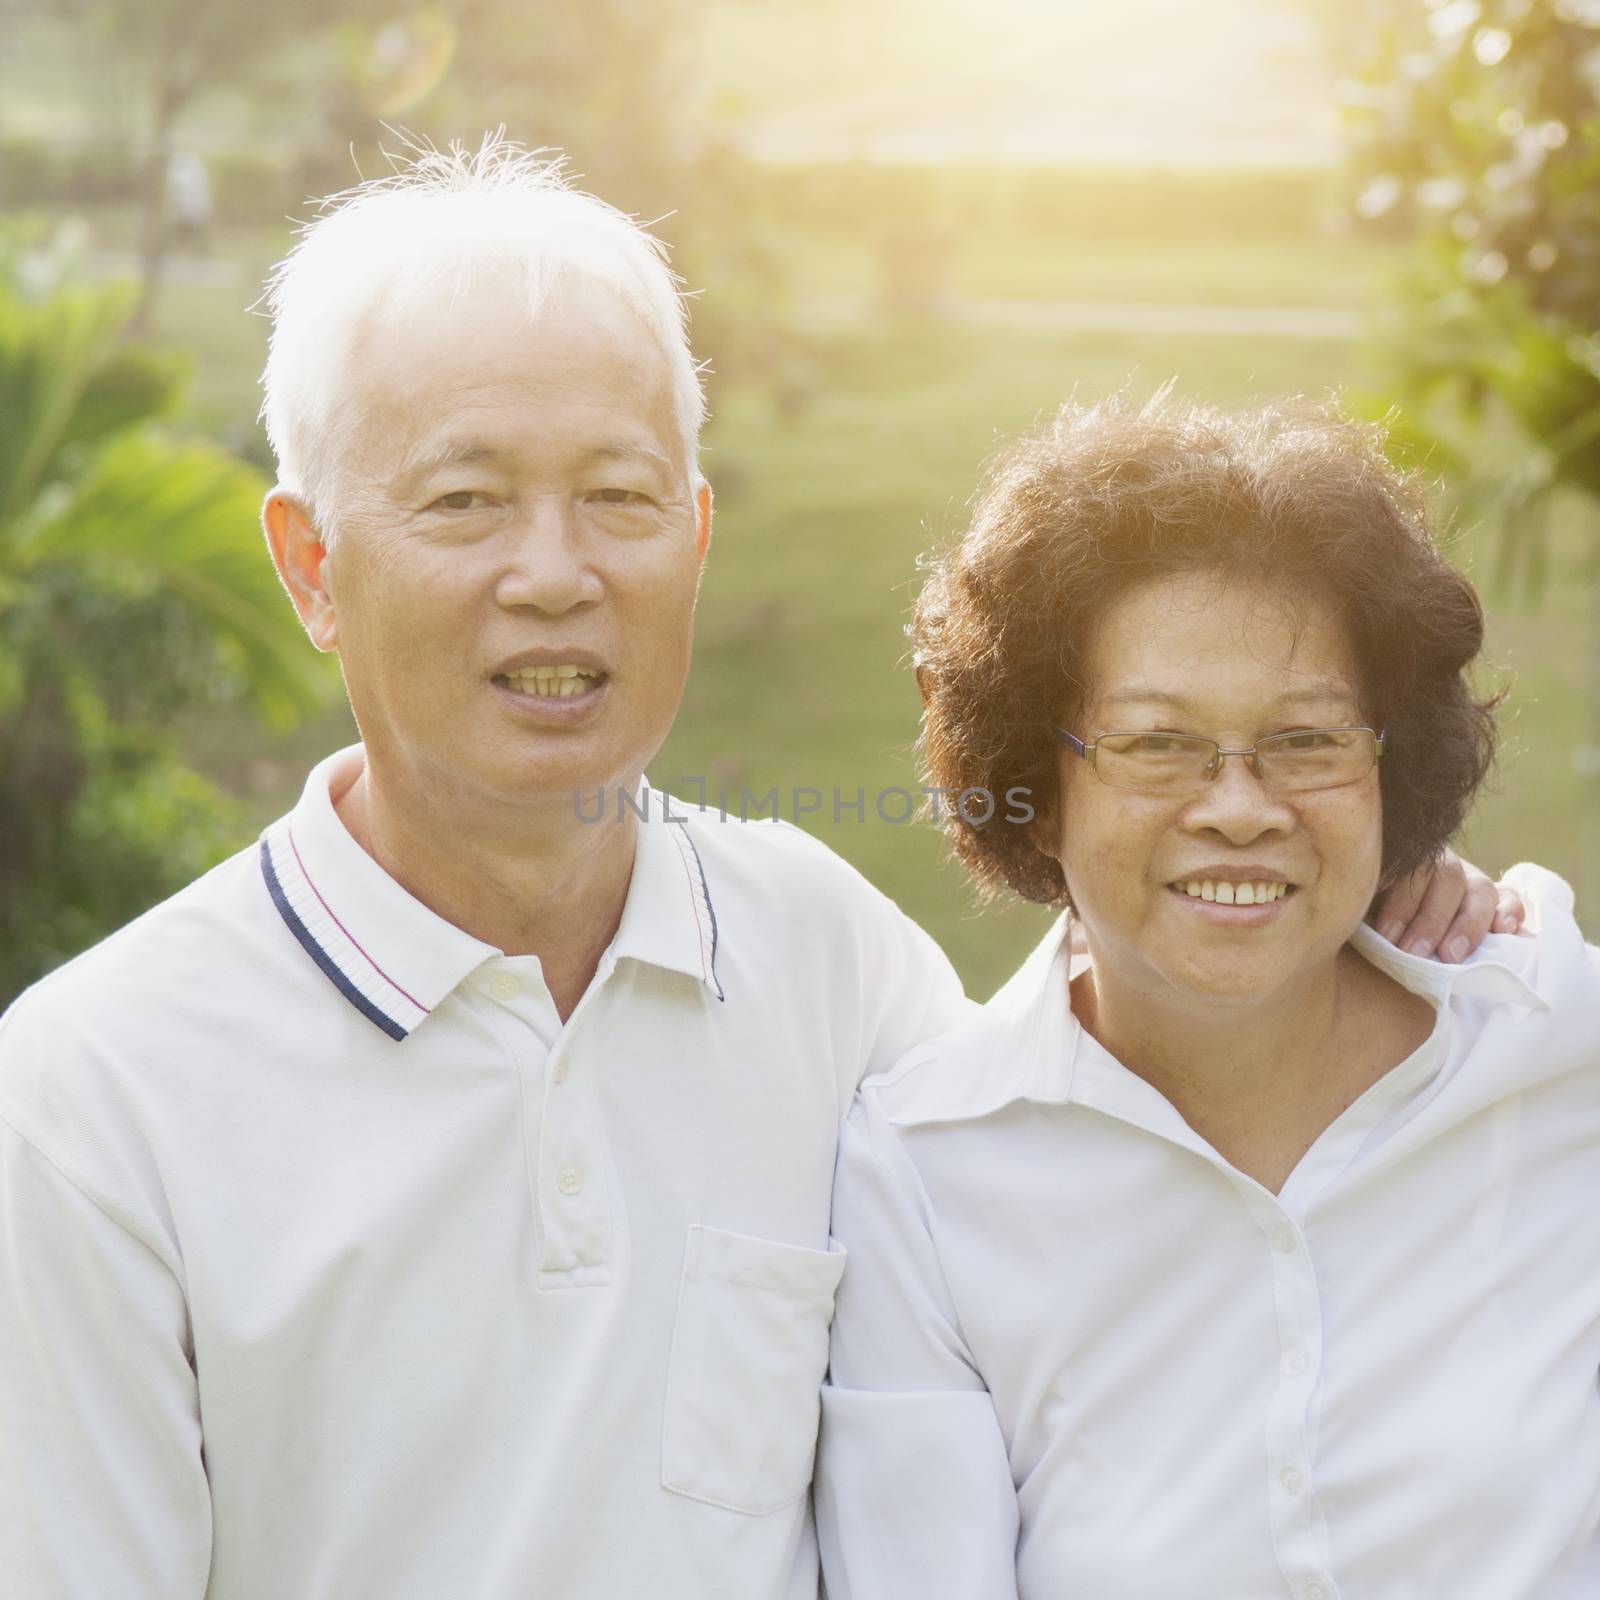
(1261, 1084)
(555, 890)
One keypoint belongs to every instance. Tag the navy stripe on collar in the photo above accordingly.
(330, 968)
(711, 910)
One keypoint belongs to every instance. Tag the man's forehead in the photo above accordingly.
(458, 391)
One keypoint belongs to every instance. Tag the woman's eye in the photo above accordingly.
(1314, 740)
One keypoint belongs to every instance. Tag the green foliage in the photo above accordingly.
(133, 586)
(1489, 138)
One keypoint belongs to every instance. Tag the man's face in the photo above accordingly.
(517, 552)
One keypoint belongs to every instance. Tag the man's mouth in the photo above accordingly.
(558, 682)
(1232, 894)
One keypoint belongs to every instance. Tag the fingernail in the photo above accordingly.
(1420, 947)
(1456, 949)
(1390, 931)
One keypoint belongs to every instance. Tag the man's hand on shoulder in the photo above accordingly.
(1447, 909)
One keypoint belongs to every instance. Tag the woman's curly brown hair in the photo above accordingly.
(1111, 496)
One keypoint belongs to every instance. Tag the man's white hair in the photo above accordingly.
(389, 247)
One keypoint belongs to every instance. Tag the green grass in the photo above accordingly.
(800, 675)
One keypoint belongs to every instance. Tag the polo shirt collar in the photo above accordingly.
(395, 960)
(391, 957)
(669, 919)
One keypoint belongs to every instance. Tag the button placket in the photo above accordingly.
(1299, 1532)
(573, 1178)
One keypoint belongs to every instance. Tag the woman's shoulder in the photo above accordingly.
(1551, 955)
(1016, 1046)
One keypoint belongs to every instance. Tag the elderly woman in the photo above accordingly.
(1247, 1256)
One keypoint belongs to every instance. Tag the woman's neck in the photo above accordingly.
(1260, 1083)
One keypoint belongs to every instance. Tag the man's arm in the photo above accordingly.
(914, 1495)
(103, 1492)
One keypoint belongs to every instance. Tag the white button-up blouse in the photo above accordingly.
(1078, 1354)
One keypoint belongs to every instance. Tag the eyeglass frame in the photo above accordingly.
(1086, 750)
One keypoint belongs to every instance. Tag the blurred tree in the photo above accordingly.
(1487, 138)
(131, 588)
(613, 82)
(169, 52)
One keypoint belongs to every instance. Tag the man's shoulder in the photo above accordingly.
(140, 980)
(765, 858)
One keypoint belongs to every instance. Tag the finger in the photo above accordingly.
(1441, 899)
(1399, 904)
(1510, 913)
(1472, 918)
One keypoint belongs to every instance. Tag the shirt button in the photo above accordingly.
(504, 986)
(1284, 1241)
(1316, 1591)
(569, 1180)
(1291, 1480)
(1294, 1362)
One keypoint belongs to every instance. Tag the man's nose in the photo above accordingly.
(1238, 805)
(547, 565)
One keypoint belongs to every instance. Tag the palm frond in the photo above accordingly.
(187, 512)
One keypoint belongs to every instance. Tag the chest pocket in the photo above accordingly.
(749, 1350)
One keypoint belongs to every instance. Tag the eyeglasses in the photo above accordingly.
(1179, 763)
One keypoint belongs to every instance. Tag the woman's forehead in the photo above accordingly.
(1200, 642)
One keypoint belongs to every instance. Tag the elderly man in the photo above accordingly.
(432, 1200)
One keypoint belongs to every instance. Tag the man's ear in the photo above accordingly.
(702, 520)
(298, 553)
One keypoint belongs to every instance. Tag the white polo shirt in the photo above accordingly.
(333, 1266)
(1077, 1353)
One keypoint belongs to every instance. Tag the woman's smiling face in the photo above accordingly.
(1234, 663)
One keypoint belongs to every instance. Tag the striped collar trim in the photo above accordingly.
(394, 960)
(669, 919)
(342, 959)
(705, 913)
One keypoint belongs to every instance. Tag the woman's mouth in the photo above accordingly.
(1224, 892)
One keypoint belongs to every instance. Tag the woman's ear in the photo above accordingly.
(925, 681)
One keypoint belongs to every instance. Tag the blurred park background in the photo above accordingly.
(916, 226)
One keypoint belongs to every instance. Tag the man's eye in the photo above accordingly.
(458, 500)
(621, 497)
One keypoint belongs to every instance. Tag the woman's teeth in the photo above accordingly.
(1232, 894)
(556, 682)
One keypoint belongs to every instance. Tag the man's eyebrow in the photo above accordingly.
(471, 452)
(452, 453)
(1313, 694)
(641, 453)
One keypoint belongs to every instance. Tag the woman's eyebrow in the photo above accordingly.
(1318, 693)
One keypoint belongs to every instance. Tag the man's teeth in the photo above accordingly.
(1233, 894)
(560, 682)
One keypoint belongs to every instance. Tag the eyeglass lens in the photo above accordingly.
(1321, 758)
